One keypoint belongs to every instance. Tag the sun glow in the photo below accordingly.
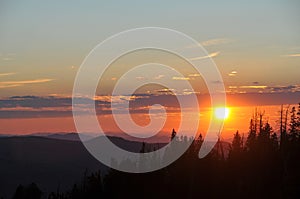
(222, 112)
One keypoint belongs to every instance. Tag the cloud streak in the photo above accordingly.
(194, 75)
(6, 74)
(9, 84)
(292, 55)
(211, 55)
(180, 78)
(232, 73)
(218, 41)
(264, 88)
(254, 87)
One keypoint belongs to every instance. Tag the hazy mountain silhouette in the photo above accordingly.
(49, 161)
(70, 136)
(64, 136)
(53, 161)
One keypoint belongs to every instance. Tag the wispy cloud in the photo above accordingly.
(217, 41)
(166, 91)
(211, 55)
(180, 78)
(292, 55)
(194, 75)
(264, 88)
(189, 92)
(50, 106)
(232, 73)
(6, 74)
(289, 88)
(27, 81)
(254, 86)
(8, 84)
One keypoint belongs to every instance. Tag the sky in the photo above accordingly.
(256, 46)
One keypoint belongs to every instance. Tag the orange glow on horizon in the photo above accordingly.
(237, 119)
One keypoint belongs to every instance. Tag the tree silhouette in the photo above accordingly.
(251, 139)
(173, 135)
(293, 125)
(236, 146)
(29, 192)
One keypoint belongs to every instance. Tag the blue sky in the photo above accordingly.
(44, 42)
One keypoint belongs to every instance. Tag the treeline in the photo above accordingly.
(263, 164)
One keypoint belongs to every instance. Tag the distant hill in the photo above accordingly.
(5, 135)
(59, 135)
(50, 160)
(53, 161)
(70, 136)
(74, 136)
(64, 136)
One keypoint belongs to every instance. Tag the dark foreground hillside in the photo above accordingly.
(51, 163)
(48, 162)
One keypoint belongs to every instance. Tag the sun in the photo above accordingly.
(222, 113)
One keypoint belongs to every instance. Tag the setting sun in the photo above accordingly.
(222, 113)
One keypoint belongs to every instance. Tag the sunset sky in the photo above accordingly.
(256, 47)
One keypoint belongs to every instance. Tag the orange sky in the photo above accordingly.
(238, 120)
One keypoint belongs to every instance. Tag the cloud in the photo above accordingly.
(290, 88)
(180, 78)
(55, 106)
(189, 92)
(194, 75)
(254, 87)
(232, 73)
(166, 91)
(265, 89)
(27, 81)
(34, 102)
(217, 41)
(292, 55)
(211, 55)
(6, 74)
(8, 84)
(212, 42)
(50, 106)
